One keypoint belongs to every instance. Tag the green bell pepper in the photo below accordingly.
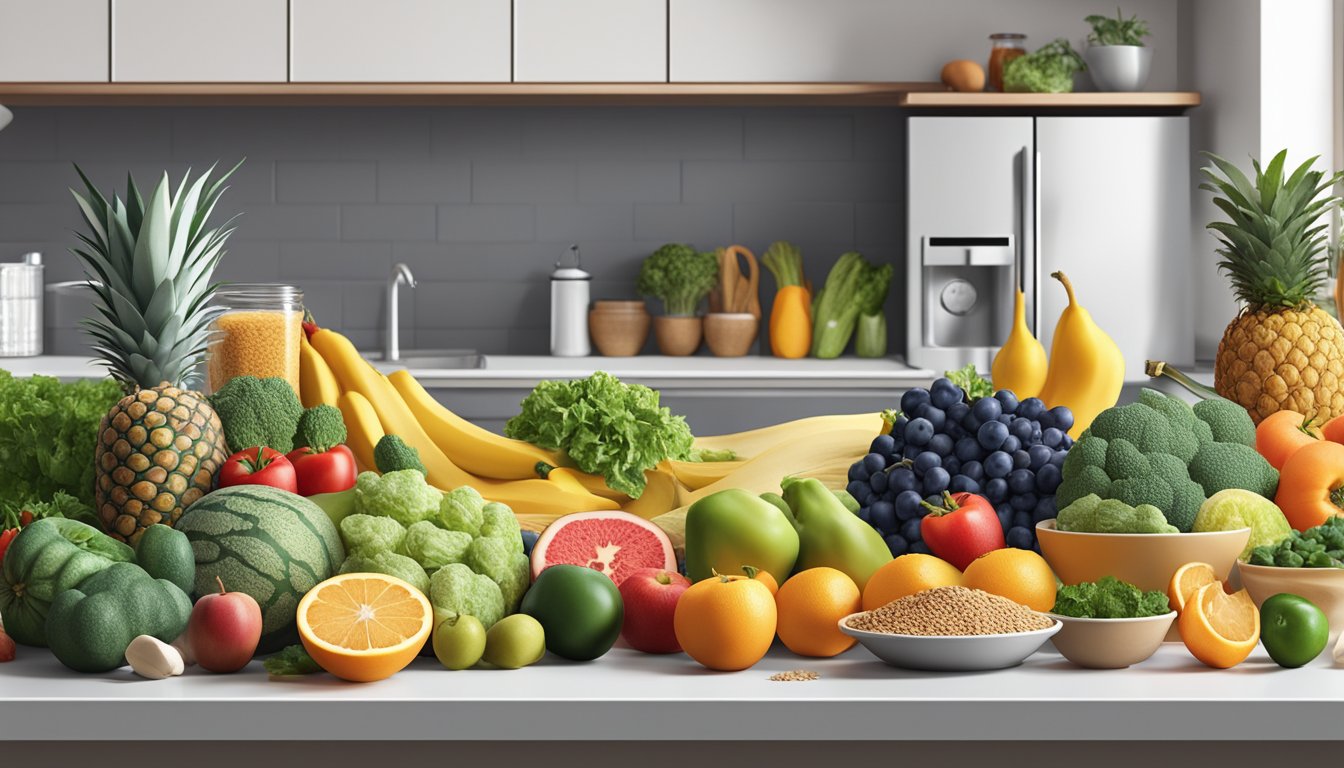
(89, 627)
(830, 535)
(733, 528)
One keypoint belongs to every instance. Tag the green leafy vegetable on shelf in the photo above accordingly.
(852, 286)
(1048, 69)
(606, 427)
(679, 275)
(1109, 598)
(291, 662)
(971, 382)
(1116, 31)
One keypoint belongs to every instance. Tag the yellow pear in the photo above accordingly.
(1087, 370)
(1020, 363)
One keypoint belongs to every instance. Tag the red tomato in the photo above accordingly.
(6, 537)
(962, 529)
(330, 471)
(259, 466)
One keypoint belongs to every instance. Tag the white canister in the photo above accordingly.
(569, 308)
(21, 307)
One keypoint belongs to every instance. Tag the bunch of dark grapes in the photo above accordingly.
(1010, 452)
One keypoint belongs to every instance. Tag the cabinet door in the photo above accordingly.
(199, 41)
(1115, 217)
(53, 41)
(405, 41)
(590, 41)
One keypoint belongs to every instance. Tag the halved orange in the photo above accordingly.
(1186, 581)
(1220, 629)
(364, 626)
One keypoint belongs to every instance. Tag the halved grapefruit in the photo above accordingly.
(613, 542)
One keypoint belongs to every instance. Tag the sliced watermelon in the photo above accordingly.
(615, 543)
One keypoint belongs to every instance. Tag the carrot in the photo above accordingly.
(791, 322)
(1282, 433)
(1311, 487)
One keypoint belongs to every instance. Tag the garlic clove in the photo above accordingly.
(183, 646)
(153, 659)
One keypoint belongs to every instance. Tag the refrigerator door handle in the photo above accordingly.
(1037, 263)
(1026, 245)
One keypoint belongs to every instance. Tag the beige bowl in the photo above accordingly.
(678, 335)
(1111, 643)
(1322, 586)
(1146, 560)
(730, 334)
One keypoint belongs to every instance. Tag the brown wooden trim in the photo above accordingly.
(952, 99)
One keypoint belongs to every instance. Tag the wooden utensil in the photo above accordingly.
(729, 276)
(746, 297)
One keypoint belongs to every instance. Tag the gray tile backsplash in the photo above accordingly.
(479, 202)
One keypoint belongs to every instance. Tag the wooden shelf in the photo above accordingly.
(896, 94)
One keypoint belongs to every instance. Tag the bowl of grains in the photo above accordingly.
(951, 629)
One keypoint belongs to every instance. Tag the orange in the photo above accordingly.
(725, 622)
(907, 575)
(1186, 581)
(1219, 629)
(764, 577)
(364, 626)
(1017, 574)
(811, 604)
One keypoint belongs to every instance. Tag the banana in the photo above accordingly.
(477, 450)
(534, 496)
(1087, 370)
(317, 384)
(594, 484)
(1020, 364)
(754, 442)
(697, 474)
(362, 430)
(662, 494)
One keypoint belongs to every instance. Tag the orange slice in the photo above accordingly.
(1186, 581)
(364, 626)
(1220, 629)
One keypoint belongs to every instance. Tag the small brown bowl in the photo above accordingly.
(618, 328)
(1322, 586)
(678, 335)
(1111, 643)
(730, 334)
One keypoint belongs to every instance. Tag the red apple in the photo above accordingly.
(650, 596)
(224, 630)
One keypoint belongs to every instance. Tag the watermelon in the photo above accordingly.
(265, 542)
(615, 543)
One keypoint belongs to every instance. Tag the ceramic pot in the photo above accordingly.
(730, 334)
(1119, 67)
(678, 335)
(618, 328)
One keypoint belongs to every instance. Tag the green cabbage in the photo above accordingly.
(1048, 69)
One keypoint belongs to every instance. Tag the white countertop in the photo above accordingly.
(626, 695)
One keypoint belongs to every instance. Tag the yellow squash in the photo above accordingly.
(1020, 364)
(1087, 370)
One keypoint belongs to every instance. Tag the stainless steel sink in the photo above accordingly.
(426, 359)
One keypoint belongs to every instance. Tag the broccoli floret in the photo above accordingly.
(321, 428)
(1219, 466)
(1080, 515)
(369, 535)
(403, 496)
(455, 590)
(1140, 425)
(1092, 514)
(1187, 498)
(1228, 422)
(1286, 558)
(1124, 461)
(392, 454)
(1109, 598)
(463, 510)
(433, 547)
(506, 567)
(390, 564)
(499, 522)
(258, 412)
(1142, 490)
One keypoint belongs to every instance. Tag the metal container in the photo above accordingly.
(21, 307)
(569, 308)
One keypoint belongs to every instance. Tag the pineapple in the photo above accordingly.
(1281, 352)
(151, 263)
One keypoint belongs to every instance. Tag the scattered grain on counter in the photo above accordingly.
(951, 611)
(795, 676)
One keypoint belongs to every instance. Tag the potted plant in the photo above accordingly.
(1116, 55)
(1048, 69)
(681, 276)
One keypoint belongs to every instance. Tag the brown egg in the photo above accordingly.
(964, 75)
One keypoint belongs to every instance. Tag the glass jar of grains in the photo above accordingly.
(257, 334)
(1004, 47)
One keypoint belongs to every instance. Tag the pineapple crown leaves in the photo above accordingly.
(150, 265)
(1273, 243)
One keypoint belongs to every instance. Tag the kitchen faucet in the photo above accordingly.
(401, 275)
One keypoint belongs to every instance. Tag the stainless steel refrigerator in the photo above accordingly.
(997, 202)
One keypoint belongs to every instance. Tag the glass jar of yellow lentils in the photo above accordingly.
(257, 334)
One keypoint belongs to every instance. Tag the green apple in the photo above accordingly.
(459, 641)
(515, 641)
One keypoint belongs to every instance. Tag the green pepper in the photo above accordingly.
(89, 627)
(733, 528)
(830, 535)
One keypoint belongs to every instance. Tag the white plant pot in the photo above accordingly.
(1119, 67)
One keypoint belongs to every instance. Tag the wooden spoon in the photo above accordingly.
(728, 279)
(747, 298)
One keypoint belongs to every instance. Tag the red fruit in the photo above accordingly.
(650, 596)
(224, 630)
(615, 543)
(258, 466)
(7, 647)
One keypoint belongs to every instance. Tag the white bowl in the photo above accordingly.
(951, 653)
(1111, 643)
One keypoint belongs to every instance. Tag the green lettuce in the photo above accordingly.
(1048, 69)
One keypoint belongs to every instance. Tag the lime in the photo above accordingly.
(1293, 630)
(579, 609)
(1236, 508)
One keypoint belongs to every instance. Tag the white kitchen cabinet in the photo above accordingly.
(199, 41)
(53, 41)
(399, 40)
(590, 41)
